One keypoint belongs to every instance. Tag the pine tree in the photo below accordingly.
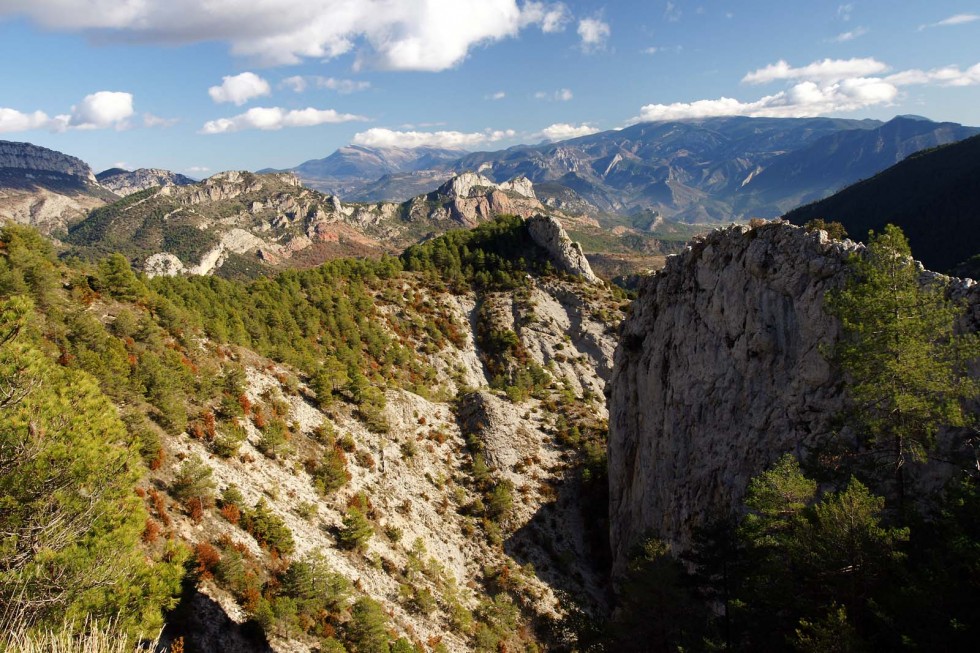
(904, 365)
(70, 520)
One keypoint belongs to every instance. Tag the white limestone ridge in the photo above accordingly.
(720, 370)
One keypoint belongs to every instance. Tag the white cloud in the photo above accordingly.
(499, 95)
(150, 120)
(947, 76)
(562, 131)
(101, 110)
(296, 83)
(381, 137)
(593, 33)
(561, 95)
(197, 170)
(958, 19)
(844, 37)
(803, 99)
(844, 12)
(672, 12)
(396, 35)
(553, 17)
(823, 87)
(239, 88)
(274, 118)
(827, 71)
(12, 120)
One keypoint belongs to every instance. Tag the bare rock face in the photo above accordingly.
(720, 370)
(547, 232)
(126, 182)
(25, 156)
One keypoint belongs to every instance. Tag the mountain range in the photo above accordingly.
(712, 170)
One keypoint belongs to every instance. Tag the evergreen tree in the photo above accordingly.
(69, 519)
(904, 365)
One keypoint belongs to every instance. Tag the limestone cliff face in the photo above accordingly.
(126, 182)
(28, 157)
(547, 232)
(719, 371)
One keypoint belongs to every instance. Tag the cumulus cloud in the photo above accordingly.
(101, 110)
(274, 118)
(958, 19)
(403, 35)
(593, 33)
(827, 70)
(563, 131)
(381, 137)
(239, 88)
(553, 17)
(12, 120)
(844, 37)
(823, 87)
(499, 95)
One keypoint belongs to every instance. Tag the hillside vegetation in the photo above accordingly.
(932, 196)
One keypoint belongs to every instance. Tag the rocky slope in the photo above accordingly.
(720, 370)
(417, 477)
(126, 182)
(257, 221)
(45, 188)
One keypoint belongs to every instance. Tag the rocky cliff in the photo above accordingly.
(41, 160)
(547, 232)
(719, 371)
(126, 182)
(45, 188)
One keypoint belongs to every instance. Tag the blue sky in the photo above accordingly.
(199, 87)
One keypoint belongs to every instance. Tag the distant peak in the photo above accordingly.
(912, 116)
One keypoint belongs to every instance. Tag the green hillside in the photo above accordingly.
(933, 196)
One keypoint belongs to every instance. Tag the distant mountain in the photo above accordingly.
(45, 188)
(683, 170)
(354, 166)
(838, 160)
(933, 196)
(126, 182)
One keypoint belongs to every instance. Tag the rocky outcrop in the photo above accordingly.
(126, 182)
(719, 371)
(33, 158)
(547, 232)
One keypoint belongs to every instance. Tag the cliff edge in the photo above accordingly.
(720, 370)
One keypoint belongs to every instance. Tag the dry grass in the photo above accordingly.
(93, 638)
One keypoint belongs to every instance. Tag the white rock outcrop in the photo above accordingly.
(720, 370)
(547, 232)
